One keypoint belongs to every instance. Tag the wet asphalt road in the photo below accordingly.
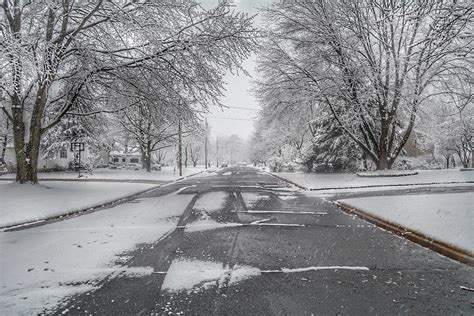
(284, 230)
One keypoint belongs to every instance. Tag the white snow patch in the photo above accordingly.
(38, 263)
(285, 212)
(287, 197)
(207, 224)
(186, 274)
(445, 217)
(306, 269)
(191, 274)
(212, 201)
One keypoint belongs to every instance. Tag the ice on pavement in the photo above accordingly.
(46, 264)
(212, 201)
(188, 274)
(446, 217)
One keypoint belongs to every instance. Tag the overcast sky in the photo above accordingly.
(237, 121)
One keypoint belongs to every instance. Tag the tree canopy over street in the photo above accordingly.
(371, 65)
(61, 58)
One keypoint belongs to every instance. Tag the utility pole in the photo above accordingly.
(217, 152)
(205, 145)
(180, 163)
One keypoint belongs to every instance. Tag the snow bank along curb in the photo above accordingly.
(99, 206)
(289, 181)
(144, 181)
(439, 246)
(381, 174)
(367, 186)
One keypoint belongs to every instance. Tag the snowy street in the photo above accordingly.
(236, 157)
(221, 242)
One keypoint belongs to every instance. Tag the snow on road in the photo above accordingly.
(212, 201)
(20, 203)
(206, 223)
(251, 199)
(193, 275)
(42, 266)
(319, 181)
(185, 274)
(445, 217)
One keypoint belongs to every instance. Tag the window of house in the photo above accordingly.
(124, 160)
(116, 160)
(63, 153)
(134, 160)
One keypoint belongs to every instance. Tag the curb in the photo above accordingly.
(367, 186)
(90, 209)
(286, 180)
(86, 210)
(144, 181)
(441, 247)
(374, 175)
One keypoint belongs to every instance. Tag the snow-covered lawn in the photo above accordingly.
(445, 217)
(166, 174)
(25, 203)
(41, 266)
(319, 181)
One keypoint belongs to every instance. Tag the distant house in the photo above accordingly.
(118, 159)
(61, 160)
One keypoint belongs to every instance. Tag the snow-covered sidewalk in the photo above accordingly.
(326, 181)
(113, 175)
(446, 218)
(26, 203)
(42, 266)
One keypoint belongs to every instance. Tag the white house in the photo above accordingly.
(61, 160)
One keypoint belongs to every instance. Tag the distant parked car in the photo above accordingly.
(156, 167)
(132, 166)
(224, 165)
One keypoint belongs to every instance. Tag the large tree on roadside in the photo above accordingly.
(372, 63)
(53, 54)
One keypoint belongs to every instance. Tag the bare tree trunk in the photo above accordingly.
(180, 145)
(5, 141)
(186, 156)
(148, 156)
